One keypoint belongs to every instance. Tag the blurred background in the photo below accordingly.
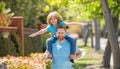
(85, 19)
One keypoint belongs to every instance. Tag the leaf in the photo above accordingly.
(2, 7)
(11, 14)
(7, 10)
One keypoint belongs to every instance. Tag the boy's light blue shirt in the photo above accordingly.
(61, 55)
(53, 29)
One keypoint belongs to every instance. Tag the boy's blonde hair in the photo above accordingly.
(55, 15)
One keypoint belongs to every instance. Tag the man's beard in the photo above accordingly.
(60, 38)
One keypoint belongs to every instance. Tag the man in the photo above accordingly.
(61, 51)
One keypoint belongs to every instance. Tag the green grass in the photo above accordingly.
(91, 57)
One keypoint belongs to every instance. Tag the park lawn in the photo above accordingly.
(91, 58)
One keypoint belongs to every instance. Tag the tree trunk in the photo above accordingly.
(111, 34)
(86, 34)
(107, 56)
(91, 35)
(107, 53)
(97, 34)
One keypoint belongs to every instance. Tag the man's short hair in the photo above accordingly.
(61, 27)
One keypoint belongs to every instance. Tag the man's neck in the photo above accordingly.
(61, 41)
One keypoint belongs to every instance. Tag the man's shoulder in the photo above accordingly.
(66, 41)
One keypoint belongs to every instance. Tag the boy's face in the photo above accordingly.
(53, 21)
(61, 33)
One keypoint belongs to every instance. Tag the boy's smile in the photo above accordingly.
(53, 21)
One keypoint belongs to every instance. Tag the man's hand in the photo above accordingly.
(73, 56)
(78, 54)
(48, 55)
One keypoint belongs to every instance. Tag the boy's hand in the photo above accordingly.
(32, 35)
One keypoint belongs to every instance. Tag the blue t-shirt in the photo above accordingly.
(53, 29)
(61, 55)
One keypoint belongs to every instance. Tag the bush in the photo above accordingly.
(7, 46)
(35, 61)
(12, 46)
(32, 45)
(43, 40)
(36, 44)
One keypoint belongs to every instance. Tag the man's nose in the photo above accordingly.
(60, 34)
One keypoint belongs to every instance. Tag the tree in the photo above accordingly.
(94, 9)
(94, 12)
(112, 36)
(33, 11)
(97, 34)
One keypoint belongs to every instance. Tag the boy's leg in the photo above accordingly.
(72, 44)
(72, 48)
(49, 43)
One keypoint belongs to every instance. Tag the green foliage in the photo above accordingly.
(16, 40)
(5, 15)
(43, 40)
(12, 46)
(114, 5)
(77, 10)
(93, 8)
(2, 7)
(7, 46)
(91, 58)
(31, 10)
(72, 10)
(32, 45)
(49, 64)
(36, 44)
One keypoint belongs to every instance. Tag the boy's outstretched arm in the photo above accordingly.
(42, 31)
